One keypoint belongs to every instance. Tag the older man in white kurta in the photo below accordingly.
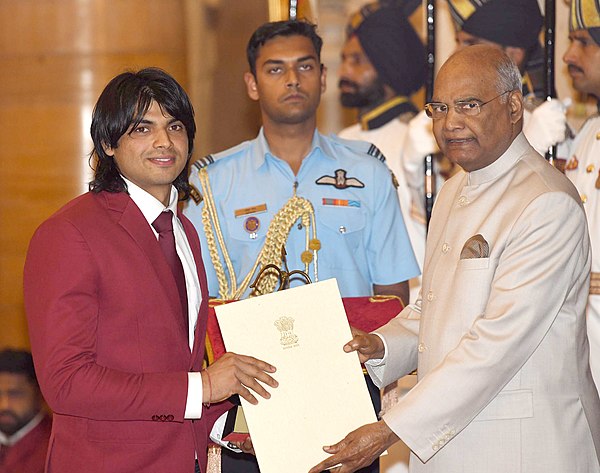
(499, 332)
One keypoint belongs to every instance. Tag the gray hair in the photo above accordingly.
(509, 77)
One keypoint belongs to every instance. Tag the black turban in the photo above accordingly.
(392, 46)
(506, 22)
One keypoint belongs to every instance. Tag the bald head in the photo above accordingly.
(481, 87)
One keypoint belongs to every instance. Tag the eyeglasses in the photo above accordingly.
(471, 108)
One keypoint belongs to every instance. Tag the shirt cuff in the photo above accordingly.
(193, 405)
(379, 361)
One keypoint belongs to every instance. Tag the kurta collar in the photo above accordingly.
(386, 112)
(502, 165)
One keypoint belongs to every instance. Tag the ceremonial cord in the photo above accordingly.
(279, 228)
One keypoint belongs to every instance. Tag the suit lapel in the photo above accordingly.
(130, 217)
(200, 331)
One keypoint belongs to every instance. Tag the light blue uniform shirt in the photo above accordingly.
(363, 237)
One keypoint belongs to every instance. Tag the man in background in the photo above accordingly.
(583, 166)
(382, 65)
(329, 202)
(24, 423)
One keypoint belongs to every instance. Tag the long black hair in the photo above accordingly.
(121, 107)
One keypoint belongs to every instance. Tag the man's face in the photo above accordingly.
(20, 401)
(154, 153)
(289, 80)
(583, 61)
(474, 142)
(359, 83)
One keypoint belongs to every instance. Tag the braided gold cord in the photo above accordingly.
(210, 218)
(277, 235)
(279, 229)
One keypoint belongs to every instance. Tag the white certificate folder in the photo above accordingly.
(322, 394)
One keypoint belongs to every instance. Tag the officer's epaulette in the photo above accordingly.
(214, 157)
(203, 162)
(361, 146)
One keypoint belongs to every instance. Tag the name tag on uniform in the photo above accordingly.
(255, 209)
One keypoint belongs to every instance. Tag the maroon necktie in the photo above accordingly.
(166, 239)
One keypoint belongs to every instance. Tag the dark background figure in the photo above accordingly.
(25, 424)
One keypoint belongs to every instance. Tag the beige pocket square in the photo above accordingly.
(475, 247)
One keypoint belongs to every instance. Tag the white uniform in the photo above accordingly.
(583, 168)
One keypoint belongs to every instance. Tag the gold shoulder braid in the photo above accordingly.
(277, 234)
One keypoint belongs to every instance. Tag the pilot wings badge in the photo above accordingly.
(339, 181)
(285, 325)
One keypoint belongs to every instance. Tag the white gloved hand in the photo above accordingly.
(546, 125)
(420, 141)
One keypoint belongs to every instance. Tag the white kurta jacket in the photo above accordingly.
(500, 342)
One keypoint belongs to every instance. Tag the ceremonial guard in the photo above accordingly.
(583, 166)
(383, 64)
(329, 202)
(337, 213)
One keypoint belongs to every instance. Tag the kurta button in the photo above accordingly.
(590, 168)
(462, 201)
(342, 229)
(421, 347)
(445, 248)
(583, 198)
(430, 296)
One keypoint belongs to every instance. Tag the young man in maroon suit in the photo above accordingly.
(116, 299)
(24, 424)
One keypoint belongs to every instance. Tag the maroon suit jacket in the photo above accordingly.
(28, 455)
(109, 343)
